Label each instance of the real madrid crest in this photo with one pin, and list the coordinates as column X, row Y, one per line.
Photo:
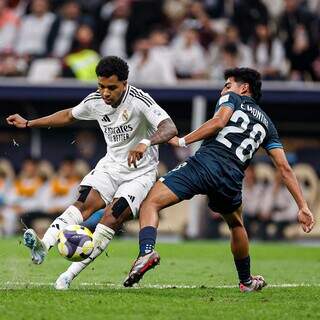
column 125, row 115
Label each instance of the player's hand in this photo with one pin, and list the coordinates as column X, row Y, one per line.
column 17, row 121
column 305, row 218
column 174, row 141
column 136, row 154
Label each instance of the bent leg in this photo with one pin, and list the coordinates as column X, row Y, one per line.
column 239, row 237
column 240, row 251
column 75, row 214
column 159, row 197
column 239, row 245
column 114, row 216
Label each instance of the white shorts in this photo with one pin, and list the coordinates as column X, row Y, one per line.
column 110, row 187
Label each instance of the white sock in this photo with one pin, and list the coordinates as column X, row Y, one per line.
column 101, row 237
column 71, row 215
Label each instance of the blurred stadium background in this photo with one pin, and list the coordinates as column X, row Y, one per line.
column 177, row 51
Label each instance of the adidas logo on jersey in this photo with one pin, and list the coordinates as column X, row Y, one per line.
column 131, row 198
column 106, row 118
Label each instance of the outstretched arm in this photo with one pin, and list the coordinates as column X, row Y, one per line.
column 165, row 131
column 58, row 119
column 206, row 130
column 305, row 216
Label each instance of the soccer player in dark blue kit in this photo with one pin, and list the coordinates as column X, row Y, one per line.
column 231, row 138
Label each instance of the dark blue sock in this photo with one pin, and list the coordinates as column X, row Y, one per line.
column 147, row 240
column 243, row 268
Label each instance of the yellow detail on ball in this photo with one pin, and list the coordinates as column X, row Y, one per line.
column 75, row 243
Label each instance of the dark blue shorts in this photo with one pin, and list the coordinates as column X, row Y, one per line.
column 220, row 183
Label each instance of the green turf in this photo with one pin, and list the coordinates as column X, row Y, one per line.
column 26, row 292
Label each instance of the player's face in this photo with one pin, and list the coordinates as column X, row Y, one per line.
column 111, row 89
column 237, row 87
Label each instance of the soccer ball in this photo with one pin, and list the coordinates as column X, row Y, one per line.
column 75, row 243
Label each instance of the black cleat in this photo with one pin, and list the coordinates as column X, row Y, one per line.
column 140, row 267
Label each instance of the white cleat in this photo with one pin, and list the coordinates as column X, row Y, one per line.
column 38, row 249
column 63, row 282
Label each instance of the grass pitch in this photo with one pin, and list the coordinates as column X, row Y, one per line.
column 196, row 280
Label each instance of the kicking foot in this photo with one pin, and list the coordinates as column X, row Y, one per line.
column 63, row 282
column 140, row 267
column 38, row 249
column 257, row 283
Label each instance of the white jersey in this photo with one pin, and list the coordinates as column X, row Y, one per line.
column 137, row 117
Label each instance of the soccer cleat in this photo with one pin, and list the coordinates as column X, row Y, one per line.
column 63, row 282
column 257, row 283
column 38, row 249
column 140, row 267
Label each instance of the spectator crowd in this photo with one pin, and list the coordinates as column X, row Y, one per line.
column 269, row 210
column 164, row 41
column 39, row 192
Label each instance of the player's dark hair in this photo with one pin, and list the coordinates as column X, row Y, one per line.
column 112, row 65
column 247, row 75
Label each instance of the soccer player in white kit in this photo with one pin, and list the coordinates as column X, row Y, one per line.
column 133, row 124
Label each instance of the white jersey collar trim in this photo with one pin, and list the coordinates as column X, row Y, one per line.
column 125, row 94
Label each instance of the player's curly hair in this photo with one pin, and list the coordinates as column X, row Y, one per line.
column 112, row 65
column 247, row 75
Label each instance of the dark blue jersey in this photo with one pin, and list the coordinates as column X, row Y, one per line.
column 248, row 128
column 217, row 168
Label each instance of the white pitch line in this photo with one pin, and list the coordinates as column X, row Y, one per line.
column 13, row 284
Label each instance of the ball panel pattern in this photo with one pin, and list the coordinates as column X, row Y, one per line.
column 75, row 243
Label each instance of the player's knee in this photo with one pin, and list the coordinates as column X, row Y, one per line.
column 83, row 193
column 84, row 203
column 154, row 200
column 235, row 223
column 119, row 207
column 148, row 204
column 110, row 221
column 84, row 209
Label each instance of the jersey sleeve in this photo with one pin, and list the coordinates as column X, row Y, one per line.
column 83, row 111
column 272, row 140
column 153, row 112
column 230, row 100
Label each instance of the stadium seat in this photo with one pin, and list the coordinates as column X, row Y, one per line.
column 309, row 181
column 6, row 167
column 265, row 173
column 46, row 170
column 173, row 221
column 81, row 168
column 310, row 184
column 44, row 69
